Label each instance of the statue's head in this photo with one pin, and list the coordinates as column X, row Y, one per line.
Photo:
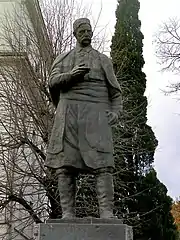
column 83, row 31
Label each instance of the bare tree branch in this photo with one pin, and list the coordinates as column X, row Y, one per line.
column 167, row 45
column 32, row 41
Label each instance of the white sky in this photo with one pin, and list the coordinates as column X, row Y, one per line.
column 162, row 110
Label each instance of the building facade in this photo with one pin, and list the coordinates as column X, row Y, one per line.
column 23, row 44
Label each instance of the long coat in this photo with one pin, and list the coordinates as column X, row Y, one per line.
column 62, row 65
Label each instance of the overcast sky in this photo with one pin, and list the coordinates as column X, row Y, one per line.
column 163, row 111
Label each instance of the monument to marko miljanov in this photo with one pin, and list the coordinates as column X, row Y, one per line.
column 88, row 102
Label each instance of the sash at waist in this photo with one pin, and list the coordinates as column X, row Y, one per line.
column 93, row 91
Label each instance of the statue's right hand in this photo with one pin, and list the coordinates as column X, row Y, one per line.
column 79, row 70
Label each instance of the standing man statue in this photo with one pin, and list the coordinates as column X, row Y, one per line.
column 87, row 97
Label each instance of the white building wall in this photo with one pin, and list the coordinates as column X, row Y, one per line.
column 14, row 220
column 7, row 15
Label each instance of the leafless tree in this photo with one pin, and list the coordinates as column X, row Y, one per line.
column 167, row 45
column 33, row 38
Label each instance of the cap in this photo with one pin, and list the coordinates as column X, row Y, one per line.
column 80, row 21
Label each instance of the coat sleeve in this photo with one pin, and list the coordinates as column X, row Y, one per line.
column 57, row 77
column 58, row 81
column 115, row 93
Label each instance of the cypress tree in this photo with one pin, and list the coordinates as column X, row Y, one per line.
column 156, row 221
column 135, row 142
column 139, row 195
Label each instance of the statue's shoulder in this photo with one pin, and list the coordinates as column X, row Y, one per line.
column 62, row 56
column 104, row 57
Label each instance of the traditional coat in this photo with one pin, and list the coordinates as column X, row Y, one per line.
column 94, row 133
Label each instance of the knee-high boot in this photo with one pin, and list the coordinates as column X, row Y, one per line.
column 105, row 194
column 67, row 191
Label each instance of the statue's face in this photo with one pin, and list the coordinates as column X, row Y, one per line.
column 84, row 34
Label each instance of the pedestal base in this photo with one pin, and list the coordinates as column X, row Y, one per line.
column 84, row 229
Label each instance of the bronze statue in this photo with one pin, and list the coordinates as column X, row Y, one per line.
column 87, row 97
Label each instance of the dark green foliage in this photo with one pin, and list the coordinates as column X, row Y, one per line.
column 86, row 201
column 135, row 142
column 154, row 208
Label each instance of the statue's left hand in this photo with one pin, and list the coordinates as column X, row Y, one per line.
column 112, row 117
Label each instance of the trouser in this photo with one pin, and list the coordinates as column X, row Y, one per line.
column 67, row 191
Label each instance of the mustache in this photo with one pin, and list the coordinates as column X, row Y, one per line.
column 86, row 36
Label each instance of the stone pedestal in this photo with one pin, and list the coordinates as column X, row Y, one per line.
column 84, row 229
